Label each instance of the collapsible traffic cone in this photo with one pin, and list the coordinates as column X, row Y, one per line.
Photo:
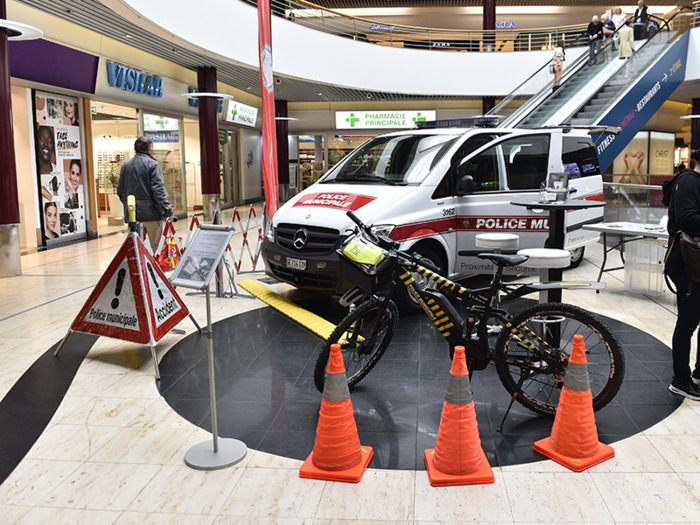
column 337, row 453
column 458, row 458
column 574, row 440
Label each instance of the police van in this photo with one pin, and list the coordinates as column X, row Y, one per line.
column 433, row 190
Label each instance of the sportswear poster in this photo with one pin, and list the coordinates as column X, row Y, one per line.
column 59, row 167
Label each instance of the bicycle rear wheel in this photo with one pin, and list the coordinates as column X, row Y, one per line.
column 536, row 375
column 361, row 350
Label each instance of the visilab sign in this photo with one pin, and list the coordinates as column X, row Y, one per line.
column 381, row 119
column 129, row 79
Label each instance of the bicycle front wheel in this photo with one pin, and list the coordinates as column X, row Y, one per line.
column 534, row 370
column 363, row 336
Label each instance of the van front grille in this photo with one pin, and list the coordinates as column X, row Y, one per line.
column 309, row 239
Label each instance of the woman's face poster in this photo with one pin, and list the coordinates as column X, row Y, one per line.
column 59, row 165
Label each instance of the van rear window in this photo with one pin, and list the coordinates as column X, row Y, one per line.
column 579, row 158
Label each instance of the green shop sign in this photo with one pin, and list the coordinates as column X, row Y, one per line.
column 381, row 119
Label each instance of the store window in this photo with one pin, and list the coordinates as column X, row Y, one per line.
column 167, row 135
column 114, row 131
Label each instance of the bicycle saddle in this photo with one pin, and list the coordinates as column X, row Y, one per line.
column 502, row 259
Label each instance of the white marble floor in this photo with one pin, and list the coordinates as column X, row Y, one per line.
column 113, row 452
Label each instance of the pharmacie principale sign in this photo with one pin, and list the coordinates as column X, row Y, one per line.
column 381, row 119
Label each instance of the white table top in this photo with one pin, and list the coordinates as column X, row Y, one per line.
column 630, row 228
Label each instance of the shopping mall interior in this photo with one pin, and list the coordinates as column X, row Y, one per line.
column 214, row 415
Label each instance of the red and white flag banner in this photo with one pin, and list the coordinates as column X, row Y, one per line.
column 269, row 140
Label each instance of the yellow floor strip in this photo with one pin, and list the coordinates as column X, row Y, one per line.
column 314, row 323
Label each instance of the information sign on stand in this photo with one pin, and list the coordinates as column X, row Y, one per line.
column 195, row 270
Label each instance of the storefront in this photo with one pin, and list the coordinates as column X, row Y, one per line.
column 73, row 133
column 236, row 122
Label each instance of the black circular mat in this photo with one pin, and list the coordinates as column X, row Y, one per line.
column 266, row 397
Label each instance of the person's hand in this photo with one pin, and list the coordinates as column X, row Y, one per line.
column 628, row 164
column 638, row 163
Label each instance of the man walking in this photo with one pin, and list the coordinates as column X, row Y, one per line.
column 684, row 214
column 142, row 177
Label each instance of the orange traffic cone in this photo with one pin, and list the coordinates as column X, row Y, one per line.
column 574, row 440
column 458, row 458
column 337, row 453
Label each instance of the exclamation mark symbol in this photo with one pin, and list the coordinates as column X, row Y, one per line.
column 153, row 276
column 118, row 289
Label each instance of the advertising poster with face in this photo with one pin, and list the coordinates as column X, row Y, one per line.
column 59, row 166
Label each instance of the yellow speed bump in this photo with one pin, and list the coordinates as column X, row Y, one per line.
column 314, row 323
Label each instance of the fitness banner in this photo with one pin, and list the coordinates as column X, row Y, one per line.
column 269, row 138
column 59, row 167
column 642, row 101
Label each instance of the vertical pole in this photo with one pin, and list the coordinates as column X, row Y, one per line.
column 209, row 141
column 212, row 386
column 489, row 45
column 695, row 125
column 9, row 201
column 282, row 133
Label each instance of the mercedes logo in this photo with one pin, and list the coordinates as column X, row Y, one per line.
column 300, row 238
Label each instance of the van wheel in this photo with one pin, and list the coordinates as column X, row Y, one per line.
column 576, row 256
column 403, row 299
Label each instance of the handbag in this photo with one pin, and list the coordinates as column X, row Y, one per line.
column 169, row 255
column 551, row 68
column 690, row 251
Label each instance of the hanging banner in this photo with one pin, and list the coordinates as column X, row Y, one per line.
column 59, row 167
column 269, row 142
column 642, row 101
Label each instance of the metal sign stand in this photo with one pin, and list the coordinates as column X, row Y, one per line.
column 195, row 270
column 219, row 453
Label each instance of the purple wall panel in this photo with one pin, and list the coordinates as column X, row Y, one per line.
column 53, row 64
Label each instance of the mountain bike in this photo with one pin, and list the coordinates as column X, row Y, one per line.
column 529, row 349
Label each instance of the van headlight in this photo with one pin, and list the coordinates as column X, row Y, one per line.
column 383, row 229
column 270, row 232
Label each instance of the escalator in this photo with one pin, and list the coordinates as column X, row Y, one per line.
column 603, row 90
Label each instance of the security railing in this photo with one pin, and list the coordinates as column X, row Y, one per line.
column 396, row 35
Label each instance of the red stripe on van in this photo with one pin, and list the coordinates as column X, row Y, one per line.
column 344, row 201
column 477, row 224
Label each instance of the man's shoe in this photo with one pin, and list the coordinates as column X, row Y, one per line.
column 696, row 376
column 688, row 389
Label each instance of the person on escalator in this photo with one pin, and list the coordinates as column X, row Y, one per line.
column 641, row 19
column 627, row 49
column 595, row 39
column 608, row 32
column 558, row 62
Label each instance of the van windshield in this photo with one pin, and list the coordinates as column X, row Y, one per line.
column 395, row 160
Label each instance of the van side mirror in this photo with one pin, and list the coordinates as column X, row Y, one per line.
column 465, row 186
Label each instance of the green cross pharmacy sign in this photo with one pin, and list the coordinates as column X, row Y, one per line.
column 381, row 119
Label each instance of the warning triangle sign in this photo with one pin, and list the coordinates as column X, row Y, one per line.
column 133, row 300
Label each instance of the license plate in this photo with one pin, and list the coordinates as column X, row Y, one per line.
column 296, row 264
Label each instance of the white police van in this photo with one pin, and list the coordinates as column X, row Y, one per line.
column 434, row 189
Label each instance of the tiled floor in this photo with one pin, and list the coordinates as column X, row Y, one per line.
column 113, row 451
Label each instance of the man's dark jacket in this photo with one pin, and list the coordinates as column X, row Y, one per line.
column 595, row 28
column 143, row 178
column 683, row 214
